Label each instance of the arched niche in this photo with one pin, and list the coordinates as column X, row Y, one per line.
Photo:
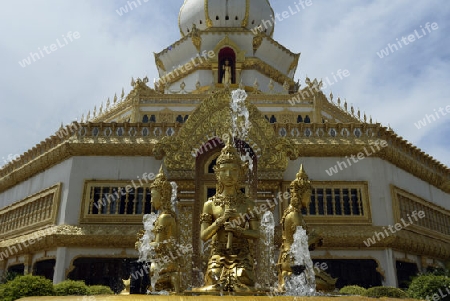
column 227, row 57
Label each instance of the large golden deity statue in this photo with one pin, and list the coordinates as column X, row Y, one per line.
column 165, row 230
column 300, row 190
column 229, row 220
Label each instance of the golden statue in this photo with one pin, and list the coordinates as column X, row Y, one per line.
column 300, row 190
column 228, row 219
column 166, row 233
column 226, row 78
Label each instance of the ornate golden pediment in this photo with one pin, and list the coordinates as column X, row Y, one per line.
column 213, row 119
column 227, row 42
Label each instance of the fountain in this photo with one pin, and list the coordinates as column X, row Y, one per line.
column 302, row 280
column 230, row 227
column 267, row 260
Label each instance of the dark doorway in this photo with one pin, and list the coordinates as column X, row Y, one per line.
column 45, row 268
column 18, row 269
column 109, row 272
column 405, row 270
column 362, row 272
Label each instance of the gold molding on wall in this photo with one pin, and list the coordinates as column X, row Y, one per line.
column 29, row 214
column 433, row 214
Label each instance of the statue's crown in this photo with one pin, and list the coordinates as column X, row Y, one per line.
column 161, row 182
column 301, row 180
column 229, row 154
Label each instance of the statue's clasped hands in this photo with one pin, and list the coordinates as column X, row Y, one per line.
column 228, row 215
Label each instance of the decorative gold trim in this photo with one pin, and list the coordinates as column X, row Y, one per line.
column 87, row 218
column 247, row 13
column 209, row 22
column 363, row 186
column 227, row 42
column 257, row 41
column 212, row 119
column 294, row 63
column 34, row 216
column 159, row 63
column 196, row 38
column 429, row 209
column 320, row 143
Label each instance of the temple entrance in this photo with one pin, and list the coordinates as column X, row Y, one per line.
column 227, row 63
column 405, row 270
column 18, row 269
column 45, row 268
column 362, row 272
column 110, row 272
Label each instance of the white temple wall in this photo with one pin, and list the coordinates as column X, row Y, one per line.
column 244, row 41
column 248, row 78
column 41, row 181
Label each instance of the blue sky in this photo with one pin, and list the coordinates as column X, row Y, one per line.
column 397, row 90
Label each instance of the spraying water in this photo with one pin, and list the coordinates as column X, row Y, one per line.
column 240, row 116
column 240, row 122
column 305, row 283
column 146, row 251
column 267, row 265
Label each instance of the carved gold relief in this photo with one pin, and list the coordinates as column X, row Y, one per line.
column 38, row 210
column 294, row 63
column 159, row 63
column 196, row 38
column 257, row 41
column 247, row 13
column 214, row 113
column 209, row 22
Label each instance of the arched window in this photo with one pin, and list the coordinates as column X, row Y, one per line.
column 227, row 57
column 307, row 120
column 273, row 119
column 299, row 119
column 179, row 119
column 145, row 119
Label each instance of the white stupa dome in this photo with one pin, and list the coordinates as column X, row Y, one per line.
column 225, row 14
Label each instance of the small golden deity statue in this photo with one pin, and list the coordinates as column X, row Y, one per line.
column 226, row 79
column 300, row 190
column 228, row 219
column 166, row 233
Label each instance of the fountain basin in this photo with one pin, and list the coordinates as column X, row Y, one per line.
column 204, row 298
